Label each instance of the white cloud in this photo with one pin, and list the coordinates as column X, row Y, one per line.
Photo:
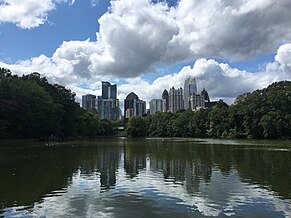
column 27, row 14
column 221, row 80
column 283, row 57
column 136, row 35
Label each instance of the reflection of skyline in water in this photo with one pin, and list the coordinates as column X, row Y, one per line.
column 168, row 177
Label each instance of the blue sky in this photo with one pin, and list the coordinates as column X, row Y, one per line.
column 146, row 46
column 67, row 22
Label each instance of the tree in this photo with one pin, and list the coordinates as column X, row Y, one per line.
column 136, row 127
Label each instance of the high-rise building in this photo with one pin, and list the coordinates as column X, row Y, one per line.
column 133, row 106
column 88, row 101
column 175, row 99
column 205, row 94
column 130, row 105
column 108, row 104
column 109, row 91
column 165, row 96
column 141, row 108
column 190, row 88
column 196, row 102
column 157, row 105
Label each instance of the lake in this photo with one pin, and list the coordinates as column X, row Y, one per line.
column 152, row 177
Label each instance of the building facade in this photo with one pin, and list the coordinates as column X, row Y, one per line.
column 88, row 101
column 175, row 99
column 133, row 106
column 157, row 105
column 108, row 104
column 190, row 88
column 197, row 102
column 165, row 96
column 109, row 91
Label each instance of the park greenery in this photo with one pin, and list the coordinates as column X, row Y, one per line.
column 263, row 114
column 31, row 107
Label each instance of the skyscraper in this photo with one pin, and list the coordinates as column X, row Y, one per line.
column 165, row 96
column 175, row 99
column 196, row 102
column 157, row 105
column 141, row 108
column 88, row 101
column 205, row 94
column 109, row 91
column 108, row 104
column 130, row 105
column 190, row 88
column 133, row 106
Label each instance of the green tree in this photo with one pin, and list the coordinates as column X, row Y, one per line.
column 90, row 124
column 136, row 127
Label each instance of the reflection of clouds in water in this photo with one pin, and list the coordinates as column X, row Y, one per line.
column 149, row 190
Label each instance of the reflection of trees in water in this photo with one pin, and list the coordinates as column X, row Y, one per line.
column 190, row 163
column 268, row 168
column 28, row 174
column 180, row 163
column 134, row 159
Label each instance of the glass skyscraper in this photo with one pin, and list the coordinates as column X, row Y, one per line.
column 108, row 104
column 109, row 91
column 190, row 88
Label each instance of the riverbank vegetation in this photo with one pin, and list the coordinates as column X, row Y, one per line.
column 31, row 107
column 262, row 114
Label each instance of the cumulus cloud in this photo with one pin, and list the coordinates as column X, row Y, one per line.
column 137, row 35
column 232, row 29
column 27, row 14
column 219, row 79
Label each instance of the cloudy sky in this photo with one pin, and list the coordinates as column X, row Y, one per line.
column 144, row 46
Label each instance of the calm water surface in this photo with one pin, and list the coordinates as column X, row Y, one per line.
column 153, row 177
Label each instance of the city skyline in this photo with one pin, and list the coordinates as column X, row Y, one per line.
column 229, row 47
column 170, row 101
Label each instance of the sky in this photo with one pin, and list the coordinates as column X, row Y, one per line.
column 144, row 46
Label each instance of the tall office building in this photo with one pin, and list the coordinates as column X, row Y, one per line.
column 175, row 99
column 165, row 96
column 205, row 94
column 88, row 101
column 109, row 91
column 133, row 106
column 157, row 105
column 130, row 105
column 108, row 104
column 196, row 102
column 141, row 108
column 190, row 88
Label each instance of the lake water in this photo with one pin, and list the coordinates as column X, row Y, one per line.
column 153, row 177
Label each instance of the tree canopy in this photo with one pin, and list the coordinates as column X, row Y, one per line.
column 31, row 107
column 262, row 114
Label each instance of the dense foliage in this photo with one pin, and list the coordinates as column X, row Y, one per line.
column 30, row 107
column 264, row 113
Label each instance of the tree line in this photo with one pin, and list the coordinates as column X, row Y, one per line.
column 31, row 107
column 262, row 114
